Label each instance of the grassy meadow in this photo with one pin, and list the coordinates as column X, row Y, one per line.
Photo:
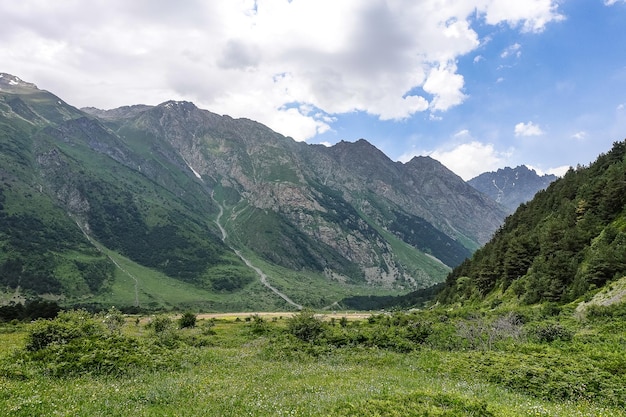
column 527, row 362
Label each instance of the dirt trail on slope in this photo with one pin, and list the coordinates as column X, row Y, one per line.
column 261, row 274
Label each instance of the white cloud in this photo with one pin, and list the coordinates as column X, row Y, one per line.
column 558, row 171
column 464, row 133
column 446, row 86
column 471, row 159
column 468, row 159
column 512, row 50
column 532, row 15
column 254, row 59
column 528, row 129
column 612, row 2
column 621, row 106
column 579, row 135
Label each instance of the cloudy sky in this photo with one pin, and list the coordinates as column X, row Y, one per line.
column 476, row 84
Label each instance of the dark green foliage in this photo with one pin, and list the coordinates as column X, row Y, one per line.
column 605, row 259
column 306, row 326
column 417, row 298
column 30, row 310
column 568, row 240
column 399, row 332
column 25, row 232
column 161, row 324
column 549, row 332
column 121, row 225
column 34, row 273
column 230, row 278
column 77, row 342
column 96, row 273
column 32, row 243
column 617, row 311
column 187, row 320
column 66, row 327
column 551, row 376
column 339, row 211
column 425, row 237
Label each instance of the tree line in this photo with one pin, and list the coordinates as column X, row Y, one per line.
column 569, row 240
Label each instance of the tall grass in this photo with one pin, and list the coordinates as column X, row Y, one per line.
column 257, row 367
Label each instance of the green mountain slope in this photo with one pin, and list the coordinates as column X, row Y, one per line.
column 61, row 170
column 565, row 243
column 83, row 191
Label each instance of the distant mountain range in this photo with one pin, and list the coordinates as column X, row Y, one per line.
column 174, row 206
column 511, row 186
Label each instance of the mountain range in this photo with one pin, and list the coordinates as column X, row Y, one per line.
column 511, row 186
column 175, row 206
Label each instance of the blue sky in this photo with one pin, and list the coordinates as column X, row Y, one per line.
column 476, row 84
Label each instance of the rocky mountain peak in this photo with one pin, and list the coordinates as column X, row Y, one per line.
column 178, row 105
column 124, row 112
column 11, row 83
column 511, row 186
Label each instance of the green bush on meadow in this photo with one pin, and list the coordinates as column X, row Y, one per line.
column 78, row 342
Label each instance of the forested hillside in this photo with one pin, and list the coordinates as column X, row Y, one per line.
column 569, row 240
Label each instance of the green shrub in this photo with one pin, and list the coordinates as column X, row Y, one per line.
column 187, row 320
column 549, row 332
column 161, row 324
column 444, row 336
column 113, row 319
column 258, row 326
column 77, row 342
column 550, row 309
column 305, row 326
column 595, row 311
column 66, row 327
column 418, row 331
column 165, row 332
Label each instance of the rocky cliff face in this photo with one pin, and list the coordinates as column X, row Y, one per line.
column 145, row 181
column 511, row 186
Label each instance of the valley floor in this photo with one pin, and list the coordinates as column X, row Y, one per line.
column 253, row 366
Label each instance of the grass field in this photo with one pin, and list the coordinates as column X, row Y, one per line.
column 242, row 365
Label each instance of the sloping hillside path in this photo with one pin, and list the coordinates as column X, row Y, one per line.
column 120, row 267
column 260, row 273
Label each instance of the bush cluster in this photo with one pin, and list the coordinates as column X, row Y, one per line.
column 522, row 350
column 78, row 342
